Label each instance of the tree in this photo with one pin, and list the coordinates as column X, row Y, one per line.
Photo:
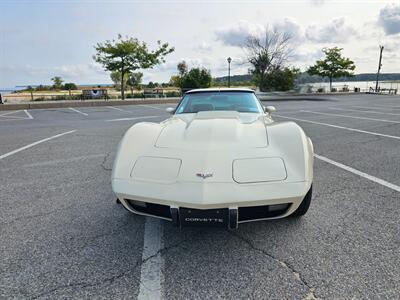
column 57, row 82
column 70, row 86
column 196, row 78
column 129, row 54
column 151, row 85
column 134, row 80
column 116, row 78
column 193, row 78
column 334, row 65
column 267, row 54
column 182, row 68
column 280, row 79
column 175, row 80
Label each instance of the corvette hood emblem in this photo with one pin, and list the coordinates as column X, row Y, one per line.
column 204, row 175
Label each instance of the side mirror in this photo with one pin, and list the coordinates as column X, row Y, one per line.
column 269, row 109
column 170, row 110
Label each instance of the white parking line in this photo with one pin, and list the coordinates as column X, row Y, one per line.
column 28, row 114
column 386, row 106
column 134, row 118
column 79, row 112
column 151, row 274
column 353, row 117
column 341, row 127
column 119, row 109
column 10, row 116
column 9, row 113
column 375, row 107
column 365, row 111
column 359, row 173
column 150, row 106
column 34, row 144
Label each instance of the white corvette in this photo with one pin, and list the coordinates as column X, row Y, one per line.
column 219, row 160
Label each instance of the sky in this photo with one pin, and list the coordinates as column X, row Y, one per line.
column 40, row 39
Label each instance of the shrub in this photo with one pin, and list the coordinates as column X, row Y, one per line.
column 173, row 94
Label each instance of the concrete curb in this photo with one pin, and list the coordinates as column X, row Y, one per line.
column 19, row 106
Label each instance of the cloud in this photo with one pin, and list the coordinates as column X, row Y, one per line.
column 236, row 35
column 389, row 19
column 337, row 31
column 203, row 47
column 291, row 27
column 318, row 2
column 67, row 72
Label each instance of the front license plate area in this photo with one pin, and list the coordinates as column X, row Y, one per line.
column 203, row 217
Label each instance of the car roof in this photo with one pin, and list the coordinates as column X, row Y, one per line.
column 220, row 90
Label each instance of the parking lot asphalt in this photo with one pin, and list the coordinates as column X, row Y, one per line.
column 63, row 236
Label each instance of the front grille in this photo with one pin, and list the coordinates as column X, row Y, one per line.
column 248, row 213
column 158, row 210
column 262, row 212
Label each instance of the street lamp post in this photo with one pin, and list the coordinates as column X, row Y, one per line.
column 229, row 71
column 379, row 69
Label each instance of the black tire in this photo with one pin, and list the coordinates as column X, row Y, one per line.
column 305, row 204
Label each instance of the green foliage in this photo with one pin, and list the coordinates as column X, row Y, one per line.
column 42, row 88
column 267, row 54
column 182, row 68
column 172, row 94
column 334, row 65
column 193, row 78
column 126, row 55
column 175, row 80
column 57, row 82
column 196, row 78
column 135, row 80
column 59, row 97
column 151, row 85
column 135, row 95
column 70, row 86
column 280, row 80
column 116, row 78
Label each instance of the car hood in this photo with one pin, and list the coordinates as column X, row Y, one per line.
column 212, row 130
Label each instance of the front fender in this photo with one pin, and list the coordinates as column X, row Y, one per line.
column 137, row 140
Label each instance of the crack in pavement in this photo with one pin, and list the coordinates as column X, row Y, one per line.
column 43, row 214
column 311, row 290
column 108, row 280
column 103, row 163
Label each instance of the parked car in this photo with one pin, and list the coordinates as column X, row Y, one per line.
column 219, row 160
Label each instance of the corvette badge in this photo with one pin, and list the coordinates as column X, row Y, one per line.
column 204, row 175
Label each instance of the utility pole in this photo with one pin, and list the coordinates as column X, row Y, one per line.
column 379, row 68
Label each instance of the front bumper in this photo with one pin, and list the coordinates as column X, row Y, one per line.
column 243, row 202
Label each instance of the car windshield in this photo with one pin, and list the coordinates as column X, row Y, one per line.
column 211, row 101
